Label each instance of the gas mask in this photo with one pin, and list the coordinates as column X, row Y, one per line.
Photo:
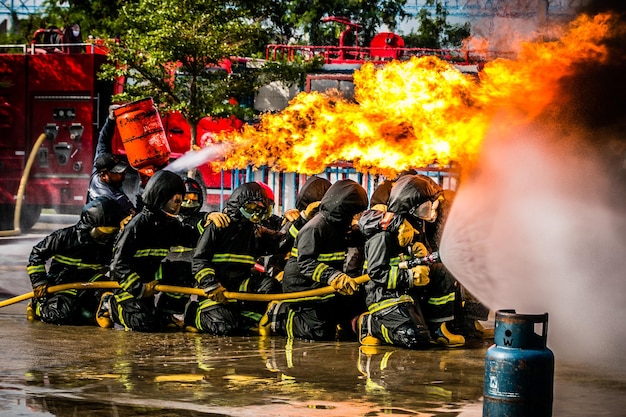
column 190, row 204
column 426, row 211
column 254, row 211
column 76, row 33
column 103, row 234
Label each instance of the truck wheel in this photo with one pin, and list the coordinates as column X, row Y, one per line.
column 29, row 216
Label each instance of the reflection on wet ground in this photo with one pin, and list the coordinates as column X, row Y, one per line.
column 106, row 372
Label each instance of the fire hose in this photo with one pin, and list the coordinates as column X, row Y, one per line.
column 240, row 296
column 22, row 189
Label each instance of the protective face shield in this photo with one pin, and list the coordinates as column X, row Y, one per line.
column 76, row 33
column 426, row 211
column 406, row 232
column 172, row 207
column 254, row 211
column 190, row 204
column 103, row 234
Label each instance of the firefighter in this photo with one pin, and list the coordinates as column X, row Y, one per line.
column 109, row 170
column 176, row 267
column 393, row 315
column 317, row 260
column 381, row 193
column 71, row 35
column 138, row 253
column 223, row 261
column 79, row 253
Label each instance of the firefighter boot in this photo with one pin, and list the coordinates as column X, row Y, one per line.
column 443, row 336
column 32, row 310
column 103, row 314
column 475, row 330
column 363, row 330
column 265, row 324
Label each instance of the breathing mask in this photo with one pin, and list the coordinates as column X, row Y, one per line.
column 426, row 211
column 103, row 234
column 255, row 211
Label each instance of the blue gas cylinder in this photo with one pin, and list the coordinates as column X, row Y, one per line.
column 519, row 368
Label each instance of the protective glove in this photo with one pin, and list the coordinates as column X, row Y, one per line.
column 292, row 215
column 380, row 207
column 125, row 221
column 112, row 108
column 40, row 291
column 149, row 290
column 406, row 232
column 344, row 285
column 419, row 250
column 221, row 220
column 217, row 295
column 311, row 210
column 420, row 275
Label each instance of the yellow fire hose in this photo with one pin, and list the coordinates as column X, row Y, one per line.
column 241, row 296
column 22, row 189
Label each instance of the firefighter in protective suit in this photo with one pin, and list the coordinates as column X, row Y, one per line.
column 316, row 261
column 79, row 253
column 223, row 261
column 393, row 315
column 138, row 253
column 176, row 267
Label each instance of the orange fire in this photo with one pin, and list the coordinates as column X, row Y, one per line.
column 417, row 112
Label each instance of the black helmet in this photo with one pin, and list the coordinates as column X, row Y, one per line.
column 193, row 198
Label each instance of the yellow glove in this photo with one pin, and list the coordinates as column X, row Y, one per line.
column 344, row 285
column 420, row 275
column 292, row 215
column 419, row 250
column 149, row 290
column 221, row 220
column 217, row 295
column 406, row 232
column 40, row 291
column 125, row 221
column 380, row 207
column 311, row 210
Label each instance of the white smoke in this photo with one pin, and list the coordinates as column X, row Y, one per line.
column 535, row 230
column 193, row 159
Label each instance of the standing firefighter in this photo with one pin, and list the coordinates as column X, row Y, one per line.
column 138, row 253
column 79, row 253
column 317, row 260
column 224, row 259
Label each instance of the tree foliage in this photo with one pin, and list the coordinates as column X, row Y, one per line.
column 434, row 31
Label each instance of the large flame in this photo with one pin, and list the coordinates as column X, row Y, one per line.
column 417, row 112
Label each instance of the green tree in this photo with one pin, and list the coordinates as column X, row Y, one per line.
column 434, row 30
column 174, row 50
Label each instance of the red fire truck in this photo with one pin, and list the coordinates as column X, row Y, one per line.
column 46, row 91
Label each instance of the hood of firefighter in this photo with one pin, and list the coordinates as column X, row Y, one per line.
column 100, row 219
column 343, row 200
column 313, row 190
column 161, row 187
column 249, row 201
column 411, row 191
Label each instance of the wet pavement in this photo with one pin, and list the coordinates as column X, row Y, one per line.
column 86, row 371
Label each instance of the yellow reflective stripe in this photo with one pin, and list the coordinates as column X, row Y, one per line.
column 180, row 249
column 392, row 280
column 158, row 275
column 203, row 273
column 439, row 301
column 130, row 280
column 385, row 333
column 252, row 315
column 293, row 231
column 395, row 261
column 206, row 303
column 156, row 252
column 120, row 316
column 289, row 325
column 294, row 252
column 329, row 257
column 385, row 360
column 68, row 292
column 75, row 262
column 390, row 302
column 95, row 277
column 244, row 285
column 317, row 273
column 35, row 269
column 233, row 258
column 123, row 296
column 200, row 227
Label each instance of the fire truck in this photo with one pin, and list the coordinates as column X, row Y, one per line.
column 45, row 91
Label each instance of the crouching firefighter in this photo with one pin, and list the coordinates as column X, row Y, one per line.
column 79, row 253
column 137, row 256
column 393, row 315
column 224, row 260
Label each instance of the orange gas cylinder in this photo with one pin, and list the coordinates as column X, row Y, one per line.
column 140, row 128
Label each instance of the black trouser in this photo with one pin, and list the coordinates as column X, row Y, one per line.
column 399, row 325
column 138, row 314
